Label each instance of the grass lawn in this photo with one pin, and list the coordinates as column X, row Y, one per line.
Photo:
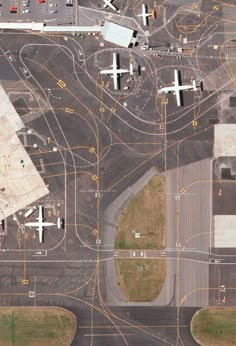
column 215, row 326
column 140, row 279
column 35, row 326
column 146, row 215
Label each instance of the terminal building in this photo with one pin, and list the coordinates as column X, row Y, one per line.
column 111, row 32
column 20, row 182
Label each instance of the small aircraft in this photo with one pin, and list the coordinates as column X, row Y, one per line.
column 116, row 72
column 40, row 224
column 177, row 88
column 108, row 3
column 145, row 15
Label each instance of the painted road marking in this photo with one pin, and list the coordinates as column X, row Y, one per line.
column 61, row 84
column 69, row 110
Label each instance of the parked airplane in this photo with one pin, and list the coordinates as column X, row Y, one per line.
column 116, row 72
column 145, row 15
column 177, row 88
column 108, row 3
column 40, row 224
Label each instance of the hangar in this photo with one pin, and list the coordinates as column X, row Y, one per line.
column 118, row 34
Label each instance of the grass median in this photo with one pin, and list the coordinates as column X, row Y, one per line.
column 215, row 326
column 35, row 326
column 145, row 214
column 142, row 279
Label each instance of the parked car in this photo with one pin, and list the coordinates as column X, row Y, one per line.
column 13, row 9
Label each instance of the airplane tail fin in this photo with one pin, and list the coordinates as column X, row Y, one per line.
column 131, row 68
column 194, row 85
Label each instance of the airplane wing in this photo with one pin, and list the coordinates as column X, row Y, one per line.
column 176, row 79
column 114, row 69
column 40, row 218
column 131, row 68
column 144, row 20
column 114, row 64
column 115, row 80
column 112, row 6
column 144, row 14
column 194, row 85
column 106, row 72
column 177, row 88
column 40, row 230
column 177, row 94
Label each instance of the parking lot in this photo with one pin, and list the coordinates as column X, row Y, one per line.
column 54, row 11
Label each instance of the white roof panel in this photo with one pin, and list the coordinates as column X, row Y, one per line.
column 117, row 34
column 225, row 231
column 224, row 142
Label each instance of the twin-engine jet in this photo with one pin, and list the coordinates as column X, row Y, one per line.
column 116, row 72
column 145, row 15
column 108, row 3
column 40, row 224
column 177, row 88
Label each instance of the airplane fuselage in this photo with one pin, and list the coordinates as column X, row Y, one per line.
column 108, row 3
column 40, row 224
column 177, row 88
column 115, row 72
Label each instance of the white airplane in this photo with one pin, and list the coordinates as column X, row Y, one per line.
column 116, row 72
column 40, row 224
column 177, row 88
column 145, row 14
column 108, row 3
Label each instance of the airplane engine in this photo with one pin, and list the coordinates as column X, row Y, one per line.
column 153, row 14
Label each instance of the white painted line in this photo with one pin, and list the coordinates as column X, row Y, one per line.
column 42, row 253
column 108, row 334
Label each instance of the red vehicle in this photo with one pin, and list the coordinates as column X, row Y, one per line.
column 13, row 9
column 40, row 1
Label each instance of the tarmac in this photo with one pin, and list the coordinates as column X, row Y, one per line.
column 93, row 147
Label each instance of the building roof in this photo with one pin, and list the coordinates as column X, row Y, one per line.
column 20, row 182
column 22, row 26
column 224, row 231
column 224, row 140
column 47, row 28
column 67, row 28
column 117, row 34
